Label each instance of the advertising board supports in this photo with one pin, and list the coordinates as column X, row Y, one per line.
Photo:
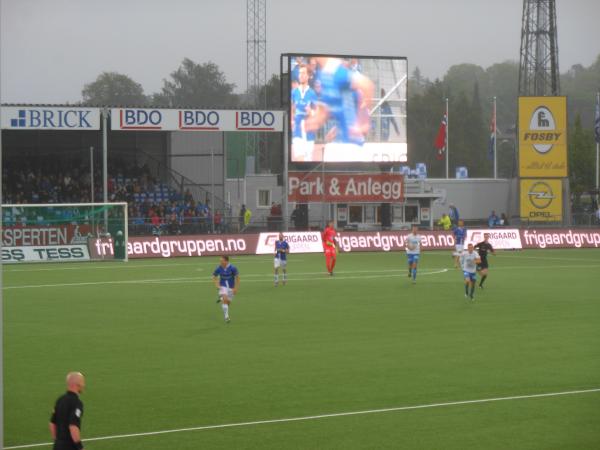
column 543, row 137
column 145, row 119
column 305, row 187
column 541, row 199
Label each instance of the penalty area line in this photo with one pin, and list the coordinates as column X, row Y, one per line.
column 321, row 416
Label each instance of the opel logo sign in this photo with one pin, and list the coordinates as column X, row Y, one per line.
column 541, row 195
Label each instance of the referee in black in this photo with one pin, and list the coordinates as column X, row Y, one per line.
column 483, row 248
column 65, row 423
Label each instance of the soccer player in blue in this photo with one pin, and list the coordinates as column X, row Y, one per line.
column 345, row 99
column 227, row 280
column 460, row 233
column 282, row 248
column 413, row 252
column 304, row 101
column 469, row 261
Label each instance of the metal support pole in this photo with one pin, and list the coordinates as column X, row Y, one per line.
column 1, row 310
column 92, row 174
column 597, row 149
column 285, row 208
column 325, row 215
column 105, row 165
column 495, row 142
column 212, row 189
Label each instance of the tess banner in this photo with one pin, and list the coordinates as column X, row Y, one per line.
column 304, row 187
column 543, row 137
column 541, row 200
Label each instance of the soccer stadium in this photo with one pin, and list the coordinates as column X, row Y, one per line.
column 334, row 252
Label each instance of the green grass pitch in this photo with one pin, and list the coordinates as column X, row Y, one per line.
column 158, row 355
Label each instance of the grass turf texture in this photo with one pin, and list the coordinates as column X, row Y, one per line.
column 158, row 356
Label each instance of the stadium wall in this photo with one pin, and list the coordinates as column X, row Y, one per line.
column 476, row 198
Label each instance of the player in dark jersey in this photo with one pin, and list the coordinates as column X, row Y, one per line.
column 483, row 248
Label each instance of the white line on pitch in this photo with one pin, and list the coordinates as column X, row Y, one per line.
column 197, row 280
column 322, row 416
column 118, row 265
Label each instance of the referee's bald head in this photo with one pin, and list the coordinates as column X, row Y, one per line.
column 75, row 382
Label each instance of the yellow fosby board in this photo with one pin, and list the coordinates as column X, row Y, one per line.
column 543, row 136
column 541, row 200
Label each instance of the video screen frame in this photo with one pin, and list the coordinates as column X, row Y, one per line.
column 382, row 118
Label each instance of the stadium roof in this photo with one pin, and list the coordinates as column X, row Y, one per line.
column 81, row 105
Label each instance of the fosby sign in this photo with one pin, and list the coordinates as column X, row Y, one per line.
column 50, row 118
column 543, row 136
column 136, row 119
column 306, row 187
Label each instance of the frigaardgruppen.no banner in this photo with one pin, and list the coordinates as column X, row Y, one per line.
column 356, row 241
column 304, row 187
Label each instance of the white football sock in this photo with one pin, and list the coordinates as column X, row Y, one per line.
column 225, row 310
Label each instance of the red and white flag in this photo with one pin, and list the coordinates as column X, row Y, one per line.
column 440, row 140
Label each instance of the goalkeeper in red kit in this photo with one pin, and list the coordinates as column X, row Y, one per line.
column 329, row 247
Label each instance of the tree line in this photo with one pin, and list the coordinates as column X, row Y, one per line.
column 470, row 89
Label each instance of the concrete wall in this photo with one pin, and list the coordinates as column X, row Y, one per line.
column 189, row 154
column 476, row 198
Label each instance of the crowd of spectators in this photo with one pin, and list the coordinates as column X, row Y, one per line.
column 153, row 206
column 45, row 180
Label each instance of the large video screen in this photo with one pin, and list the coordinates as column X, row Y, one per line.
column 347, row 109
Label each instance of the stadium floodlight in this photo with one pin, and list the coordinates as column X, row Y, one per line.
column 64, row 232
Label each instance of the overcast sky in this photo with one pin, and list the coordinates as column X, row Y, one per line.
column 51, row 48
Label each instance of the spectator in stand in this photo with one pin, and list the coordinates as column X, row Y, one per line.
column 247, row 217
column 493, row 220
column 445, row 222
column 598, row 215
column 242, row 217
column 156, row 225
column 453, row 214
column 504, row 220
column 218, row 222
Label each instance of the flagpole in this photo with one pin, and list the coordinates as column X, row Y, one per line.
column 597, row 150
column 495, row 143
column 447, row 140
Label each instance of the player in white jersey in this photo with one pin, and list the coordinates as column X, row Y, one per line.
column 413, row 252
column 469, row 261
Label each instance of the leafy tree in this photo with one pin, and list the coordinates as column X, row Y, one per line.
column 581, row 159
column 196, row 85
column 112, row 88
column 503, row 81
column 580, row 85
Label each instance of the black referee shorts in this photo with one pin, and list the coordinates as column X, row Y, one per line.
column 63, row 445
